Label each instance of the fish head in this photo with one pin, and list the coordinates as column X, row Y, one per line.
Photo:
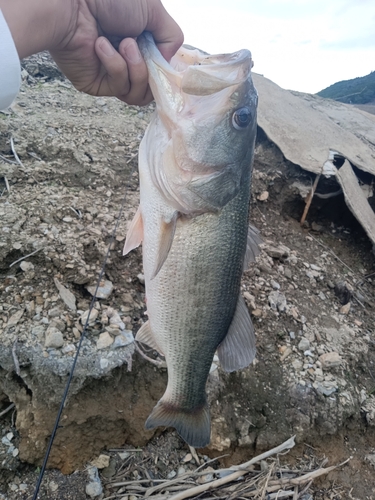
column 206, row 108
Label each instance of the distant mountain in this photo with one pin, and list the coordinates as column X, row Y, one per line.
column 360, row 90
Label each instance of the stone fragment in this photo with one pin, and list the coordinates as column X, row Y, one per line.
column 286, row 353
column 104, row 290
column 330, row 360
column 125, row 338
column 343, row 292
column 53, row 486
column 277, row 301
column 66, row 295
column 54, row 338
column 14, row 319
column 327, row 388
column 345, row 309
column 93, row 317
column 101, row 461
column 104, row 340
column 104, row 363
column 277, row 252
column 263, row 196
column 141, row 278
column 187, row 458
column 26, row 266
column 304, row 344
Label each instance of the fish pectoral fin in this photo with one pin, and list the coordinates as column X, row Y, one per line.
column 135, row 233
column 193, row 425
column 146, row 336
column 237, row 350
column 252, row 246
column 165, row 242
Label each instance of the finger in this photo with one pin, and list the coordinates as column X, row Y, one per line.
column 166, row 32
column 117, row 81
column 139, row 92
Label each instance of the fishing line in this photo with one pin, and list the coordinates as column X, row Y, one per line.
column 83, row 335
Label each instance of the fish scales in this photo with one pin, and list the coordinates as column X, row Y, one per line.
column 195, row 164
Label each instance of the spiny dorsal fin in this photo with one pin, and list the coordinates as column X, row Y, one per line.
column 252, row 246
column 135, row 233
column 146, row 336
column 237, row 350
column 165, row 242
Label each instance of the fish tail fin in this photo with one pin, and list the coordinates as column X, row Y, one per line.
column 194, row 426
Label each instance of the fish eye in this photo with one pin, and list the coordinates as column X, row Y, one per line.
column 241, row 118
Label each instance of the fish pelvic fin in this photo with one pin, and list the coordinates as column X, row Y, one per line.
column 193, row 425
column 252, row 246
column 135, row 233
column 237, row 350
column 167, row 232
column 146, row 336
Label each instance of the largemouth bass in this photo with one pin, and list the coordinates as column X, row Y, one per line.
column 195, row 164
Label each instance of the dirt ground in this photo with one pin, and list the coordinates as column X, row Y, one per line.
column 79, row 160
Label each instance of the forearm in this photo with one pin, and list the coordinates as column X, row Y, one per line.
column 36, row 25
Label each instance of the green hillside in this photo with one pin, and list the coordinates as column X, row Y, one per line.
column 360, row 90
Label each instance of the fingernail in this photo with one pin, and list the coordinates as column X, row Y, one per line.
column 106, row 48
column 132, row 53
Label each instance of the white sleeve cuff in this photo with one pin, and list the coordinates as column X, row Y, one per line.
column 10, row 68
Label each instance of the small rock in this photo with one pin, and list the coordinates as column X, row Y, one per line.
column 279, row 252
column 26, row 266
column 288, row 273
column 286, row 353
column 187, row 458
column 172, row 474
column 345, row 309
column 14, row 319
column 101, row 462
column 125, row 338
column 104, row 340
column 304, row 344
column 54, row 338
column 66, row 295
column 322, row 296
column 69, row 349
column 104, row 363
column 371, row 458
column 330, row 360
column 277, row 301
column 292, row 335
column 327, row 388
column 263, row 196
column 275, row 285
column 357, row 322
column 104, row 290
column 93, row 317
column 9, row 436
column 53, row 486
column 141, row 278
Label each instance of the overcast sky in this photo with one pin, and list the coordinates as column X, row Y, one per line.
column 303, row 45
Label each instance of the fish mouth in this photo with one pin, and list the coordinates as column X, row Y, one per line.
column 191, row 72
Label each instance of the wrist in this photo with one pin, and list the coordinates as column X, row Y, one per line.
column 37, row 25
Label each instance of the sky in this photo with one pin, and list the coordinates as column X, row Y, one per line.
column 303, row 45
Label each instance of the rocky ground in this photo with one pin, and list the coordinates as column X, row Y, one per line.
column 68, row 164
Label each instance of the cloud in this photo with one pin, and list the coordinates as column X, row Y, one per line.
column 352, row 44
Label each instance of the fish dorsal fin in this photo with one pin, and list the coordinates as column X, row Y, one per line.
column 166, row 235
column 135, row 233
column 238, row 348
column 146, row 336
column 252, row 246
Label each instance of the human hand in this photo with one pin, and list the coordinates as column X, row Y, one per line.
column 90, row 61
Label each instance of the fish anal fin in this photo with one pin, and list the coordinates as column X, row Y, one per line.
column 146, row 336
column 237, row 350
column 194, row 426
column 135, row 233
column 166, row 236
column 252, row 246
